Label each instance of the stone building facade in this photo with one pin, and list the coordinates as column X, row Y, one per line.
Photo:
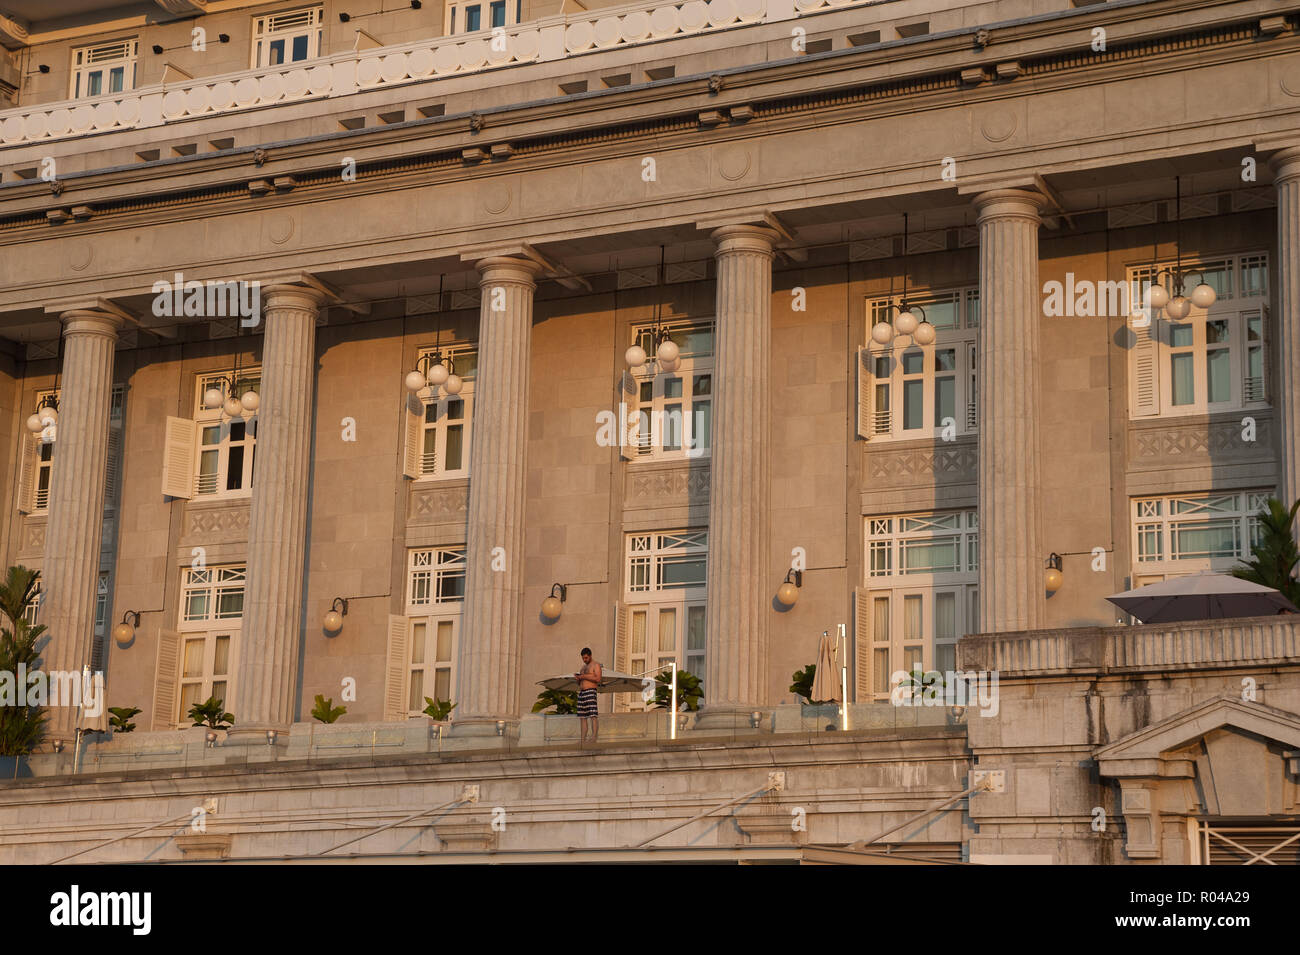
column 527, row 191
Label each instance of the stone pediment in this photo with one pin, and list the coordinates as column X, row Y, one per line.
column 1152, row 750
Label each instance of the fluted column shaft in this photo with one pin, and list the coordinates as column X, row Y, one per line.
column 76, row 506
column 1286, row 396
column 264, row 692
column 1011, row 565
column 488, row 657
column 739, row 588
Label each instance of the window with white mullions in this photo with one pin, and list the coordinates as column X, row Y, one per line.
column 666, row 591
column 287, row 37
column 225, row 445
column 211, row 616
column 1178, row 535
column 921, row 594
column 673, row 410
column 434, row 603
column 104, row 69
column 444, row 428
column 915, row 391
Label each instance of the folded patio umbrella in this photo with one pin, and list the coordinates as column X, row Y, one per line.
column 826, row 681
column 1203, row 596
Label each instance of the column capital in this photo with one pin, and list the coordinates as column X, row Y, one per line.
column 744, row 237
column 308, row 290
column 293, row 296
column 1009, row 203
column 515, row 269
column 1285, row 164
column 89, row 321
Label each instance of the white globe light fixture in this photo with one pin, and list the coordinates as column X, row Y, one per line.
column 924, row 334
column 906, row 322
column 34, row 424
column 1178, row 308
column 124, row 632
column 453, row 385
column 250, row 400
column 788, row 592
column 332, row 622
column 635, row 356
column 438, row 374
column 212, row 398
column 1155, row 296
column 668, row 351
column 1203, row 296
column 233, row 407
column 553, row 605
column 414, row 381
column 882, row 333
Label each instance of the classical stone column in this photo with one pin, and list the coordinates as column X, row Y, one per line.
column 488, row 657
column 740, row 585
column 1286, row 396
column 76, row 505
column 1011, row 588
column 264, row 691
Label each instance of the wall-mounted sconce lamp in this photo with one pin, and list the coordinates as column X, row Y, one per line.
column 755, row 718
column 501, row 727
column 788, row 592
column 223, row 37
column 157, row 49
column 211, row 738
column 333, row 619
column 553, row 605
column 344, row 17
column 1054, row 578
column 124, row 632
column 44, row 68
column 270, row 737
column 58, row 745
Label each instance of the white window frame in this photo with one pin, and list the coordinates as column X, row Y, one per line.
column 103, row 58
column 43, row 464
column 888, row 363
column 33, row 608
column 455, row 14
column 1154, row 520
column 892, row 591
column 207, row 630
column 1242, row 303
column 464, row 360
column 651, row 601
column 435, row 602
column 213, row 486
column 286, row 26
column 666, row 418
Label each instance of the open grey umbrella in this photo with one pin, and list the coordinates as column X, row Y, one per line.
column 1203, row 596
column 611, row 683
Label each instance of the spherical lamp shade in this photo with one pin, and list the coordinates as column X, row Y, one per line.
column 924, row 334
column 882, row 333
column 34, row 424
column 212, row 398
column 233, row 407
column 123, row 633
column 1203, row 296
column 551, row 608
column 667, row 350
column 454, row 384
column 333, row 621
column 634, row 356
column 250, row 400
column 1155, row 296
column 1178, row 308
column 49, row 417
column 414, row 381
column 905, row 323
column 787, row 593
column 1053, row 580
column 670, row 366
column 438, row 374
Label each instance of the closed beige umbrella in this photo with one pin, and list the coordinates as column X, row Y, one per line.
column 826, row 682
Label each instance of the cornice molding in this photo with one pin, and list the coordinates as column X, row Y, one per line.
column 13, row 33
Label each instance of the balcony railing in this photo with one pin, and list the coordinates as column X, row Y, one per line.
column 552, row 38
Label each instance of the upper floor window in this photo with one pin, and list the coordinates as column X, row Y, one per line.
column 438, row 422
column 105, row 68
column 38, row 459
column 671, row 412
column 435, row 597
column 436, row 577
column 1215, row 359
column 908, row 390
column 212, row 454
column 1177, row 535
column 34, row 605
column 290, row 36
column 470, row 16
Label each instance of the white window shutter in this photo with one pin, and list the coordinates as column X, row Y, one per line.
column 622, row 701
column 178, row 459
column 412, row 416
column 864, row 393
column 395, row 670
column 1145, row 369
column 629, row 409
column 862, row 645
column 167, row 675
column 27, row 478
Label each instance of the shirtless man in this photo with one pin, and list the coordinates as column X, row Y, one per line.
column 588, row 679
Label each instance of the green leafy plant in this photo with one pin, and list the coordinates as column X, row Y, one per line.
column 689, row 690
column 121, row 718
column 210, row 713
column 1274, row 558
column 564, row 701
column 21, row 727
column 803, row 684
column 325, row 710
column 439, row 710
column 919, row 682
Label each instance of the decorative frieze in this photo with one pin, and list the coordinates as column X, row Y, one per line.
column 441, row 503
column 1200, row 440
column 944, row 463
column 677, row 485
column 217, row 522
